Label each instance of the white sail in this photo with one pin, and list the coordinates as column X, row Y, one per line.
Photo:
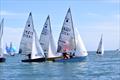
column 100, row 46
column 80, row 47
column 29, row 42
column 70, row 39
column 44, row 37
column 47, row 41
column 36, row 48
column 66, row 40
column 27, row 37
column 52, row 48
column 1, row 33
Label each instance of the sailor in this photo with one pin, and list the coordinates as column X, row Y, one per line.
column 71, row 55
column 29, row 56
column 65, row 55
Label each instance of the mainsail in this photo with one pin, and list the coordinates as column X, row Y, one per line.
column 47, row 41
column 100, row 46
column 66, row 40
column 29, row 42
column 1, row 33
column 70, row 40
column 27, row 37
column 44, row 37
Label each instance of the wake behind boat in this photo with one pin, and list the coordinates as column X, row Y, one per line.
column 70, row 43
column 29, row 45
column 2, row 58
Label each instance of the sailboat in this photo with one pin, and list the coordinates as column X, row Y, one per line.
column 100, row 49
column 10, row 49
column 71, row 42
column 47, row 42
column 29, row 45
column 2, row 58
column 118, row 50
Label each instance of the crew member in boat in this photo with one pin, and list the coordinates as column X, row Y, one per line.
column 66, row 55
column 72, row 55
column 29, row 56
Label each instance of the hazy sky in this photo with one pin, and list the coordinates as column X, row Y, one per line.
column 91, row 17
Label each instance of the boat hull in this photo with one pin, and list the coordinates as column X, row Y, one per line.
column 53, row 58
column 2, row 59
column 74, row 59
column 99, row 53
column 34, row 60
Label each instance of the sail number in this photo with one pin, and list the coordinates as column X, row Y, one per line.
column 28, row 34
column 45, row 31
column 66, row 31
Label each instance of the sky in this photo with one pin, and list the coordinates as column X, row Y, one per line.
column 91, row 17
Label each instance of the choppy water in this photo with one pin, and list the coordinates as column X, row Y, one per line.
column 106, row 67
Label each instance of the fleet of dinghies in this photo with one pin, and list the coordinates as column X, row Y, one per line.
column 70, row 47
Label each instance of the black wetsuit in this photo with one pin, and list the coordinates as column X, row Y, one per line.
column 29, row 56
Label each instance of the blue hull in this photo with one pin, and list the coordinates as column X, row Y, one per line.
column 74, row 59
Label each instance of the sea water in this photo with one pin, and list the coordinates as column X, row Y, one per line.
column 96, row 67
